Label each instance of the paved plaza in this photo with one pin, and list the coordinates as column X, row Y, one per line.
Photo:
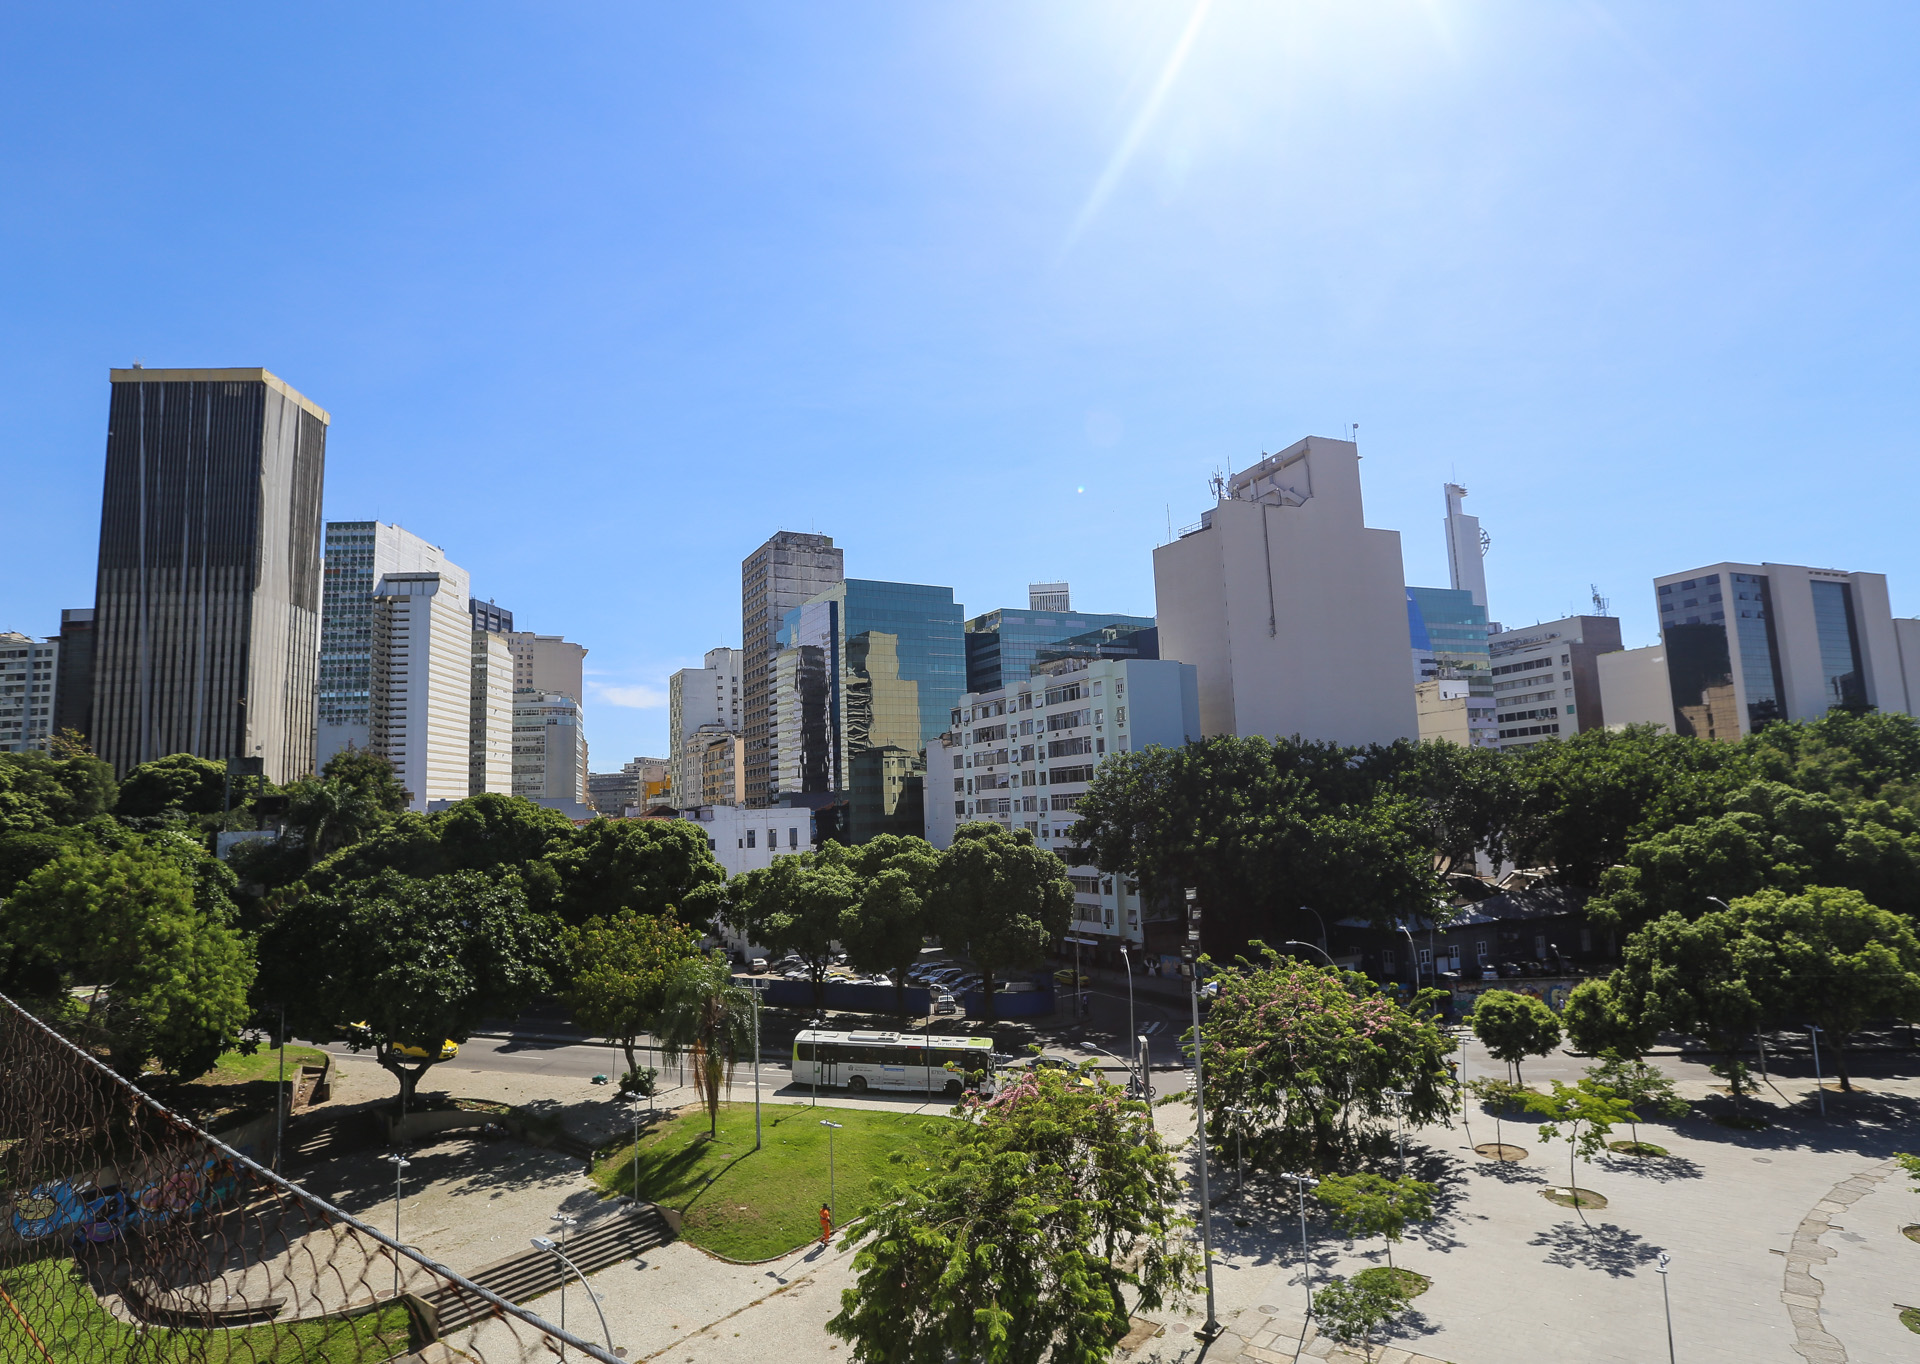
column 1785, row 1243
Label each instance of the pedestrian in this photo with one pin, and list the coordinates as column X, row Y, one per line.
column 826, row 1224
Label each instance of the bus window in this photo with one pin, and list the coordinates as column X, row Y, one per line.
column 803, row 1050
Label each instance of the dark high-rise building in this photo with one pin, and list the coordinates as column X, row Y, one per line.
column 488, row 618
column 207, row 630
column 774, row 579
column 73, row 684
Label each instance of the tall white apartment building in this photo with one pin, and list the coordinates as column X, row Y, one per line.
column 1750, row 643
column 358, row 555
column 28, row 675
column 490, row 716
column 1291, row 608
column 1021, row 757
column 547, row 663
column 549, row 748
column 1546, row 678
column 1466, row 547
column 422, row 682
column 700, row 700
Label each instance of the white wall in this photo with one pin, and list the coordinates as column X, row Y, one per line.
column 1633, row 688
column 427, row 687
column 1294, row 615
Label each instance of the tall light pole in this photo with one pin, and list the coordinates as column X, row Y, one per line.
column 1133, row 1030
column 400, row 1162
column 546, row 1244
column 1413, row 956
column 1295, row 942
column 1400, row 1124
column 756, row 1069
column 1301, row 1184
column 833, row 1202
column 1819, row 1086
column 1192, row 954
column 1324, row 944
column 633, row 1105
column 1667, row 1299
column 281, row 1104
column 562, row 1221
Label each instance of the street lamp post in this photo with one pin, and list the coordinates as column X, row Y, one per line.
column 1401, row 1125
column 633, row 1105
column 1301, row 1184
column 756, row 1068
column 400, row 1162
column 833, row 1202
column 281, row 1104
column 1192, row 954
column 1295, row 942
column 546, row 1244
column 1132, row 1029
column 1324, row 944
column 1819, row 1086
column 1413, row 956
column 1666, row 1299
column 561, row 1220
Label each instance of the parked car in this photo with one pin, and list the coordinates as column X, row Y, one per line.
column 758, row 966
column 361, row 1033
column 1065, row 977
column 943, row 1003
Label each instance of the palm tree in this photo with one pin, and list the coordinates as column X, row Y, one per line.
column 708, row 1019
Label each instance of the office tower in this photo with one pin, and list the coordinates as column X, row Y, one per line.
column 1906, row 634
column 790, row 568
column 1466, row 546
column 358, row 555
column 721, row 755
column 1021, row 756
column 1448, row 632
column 1292, row 609
column 207, row 632
column 868, row 674
column 1546, row 678
column 1747, row 644
column 421, row 679
column 73, row 683
column 549, row 749
column 489, row 618
column 699, row 700
column 28, row 673
column 490, row 714
column 1002, row 646
column 547, row 663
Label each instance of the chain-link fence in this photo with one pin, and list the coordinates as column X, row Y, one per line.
column 128, row 1234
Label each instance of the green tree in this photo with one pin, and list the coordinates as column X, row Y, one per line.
column 1693, row 976
column 1351, row 1310
column 1830, row 958
column 1002, row 898
column 1513, row 1027
column 1044, row 1212
column 178, row 784
column 1875, row 756
column 39, row 791
column 619, row 971
column 418, row 960
column 884, row 929
column 370, row 775
column 1373, row 1205
column 1311, row 1055
column 709, row 1020
column 165, row 978
column 1585, row 1113
column 795, row 905
column 649, row 865
column 1645, row 1087
column 1597, row 1021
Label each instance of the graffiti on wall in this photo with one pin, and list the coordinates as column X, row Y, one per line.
column 1552, row 991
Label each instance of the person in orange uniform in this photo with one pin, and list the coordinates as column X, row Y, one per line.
column 826, row 1224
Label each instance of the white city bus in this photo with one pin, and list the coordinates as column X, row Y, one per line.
column 860, row 1061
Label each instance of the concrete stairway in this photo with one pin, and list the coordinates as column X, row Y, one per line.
column 606, row 1241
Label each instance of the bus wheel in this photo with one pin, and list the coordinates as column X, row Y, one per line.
column 953, row 1088
column 858, row 1084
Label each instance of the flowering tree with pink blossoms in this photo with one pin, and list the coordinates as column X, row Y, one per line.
column 1309, row 1055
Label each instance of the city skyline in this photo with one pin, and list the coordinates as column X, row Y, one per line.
column 817, row 265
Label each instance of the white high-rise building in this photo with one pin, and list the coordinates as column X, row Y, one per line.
column 706, row 698
column 548, row 663
column 490, row 716
column 358, row 555
column 1465, row 546
column 422, row 682
column 28, row 672
column 1292, row 609
column 549, row 750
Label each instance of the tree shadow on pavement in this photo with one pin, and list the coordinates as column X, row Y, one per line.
column 1603, row 1246
column 1658, row 1169
column 1508, row 1171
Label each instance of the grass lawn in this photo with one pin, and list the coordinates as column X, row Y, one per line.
column 264, row 1065
column 72, row 1326
column 754, row 1205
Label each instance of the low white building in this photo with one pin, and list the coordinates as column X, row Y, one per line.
column 1021, row 757
column 1545, row 678
column 1634, row 689
column 28, row 668
column 743, row 839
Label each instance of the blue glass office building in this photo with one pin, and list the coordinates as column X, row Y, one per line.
column 867, row 675
column 1003, row 646
column 1447, row 631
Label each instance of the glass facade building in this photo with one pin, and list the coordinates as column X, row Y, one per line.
column 1002, row 646
column 866, row 676
column 1448, row 632
column 1723, row 657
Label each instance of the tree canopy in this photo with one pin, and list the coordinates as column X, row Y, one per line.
column 620, row 970
column 1513, row 1026
column 1001, row 898
column 178, row 784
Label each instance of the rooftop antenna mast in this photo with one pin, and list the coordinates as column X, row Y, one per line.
column 1601, row 604
column 1217, row 482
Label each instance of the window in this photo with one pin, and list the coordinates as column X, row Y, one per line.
column 959, row 783
column 793, row 837
column 1065, row 802
column 959, row 807
column 1480, row 950
column 1119, row 715
column 1096, row 688
column 750, row 838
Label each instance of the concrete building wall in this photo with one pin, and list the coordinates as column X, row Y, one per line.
column 791, row 568
column 1634, row 688
column 1290, row 607
column 1906, row 638
column 1546, row 679
column 548, row 663
column 29, row 672
column 747, row 840
column 490, row 716
column 73, row 687
column 1441, row 704
column 549, row 748
column 699, row 699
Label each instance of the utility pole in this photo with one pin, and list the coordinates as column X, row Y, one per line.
column 1211, row 1328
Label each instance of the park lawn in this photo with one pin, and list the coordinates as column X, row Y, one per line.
column 74, row 1328
column 755, row 1205
column 233, row 1068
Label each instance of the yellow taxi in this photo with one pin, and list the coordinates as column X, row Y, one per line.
column 360, row 1032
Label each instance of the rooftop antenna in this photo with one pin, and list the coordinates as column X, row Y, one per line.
column 1217, row 482
column 1600, row 603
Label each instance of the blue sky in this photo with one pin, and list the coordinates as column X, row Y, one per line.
column 599, row 296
